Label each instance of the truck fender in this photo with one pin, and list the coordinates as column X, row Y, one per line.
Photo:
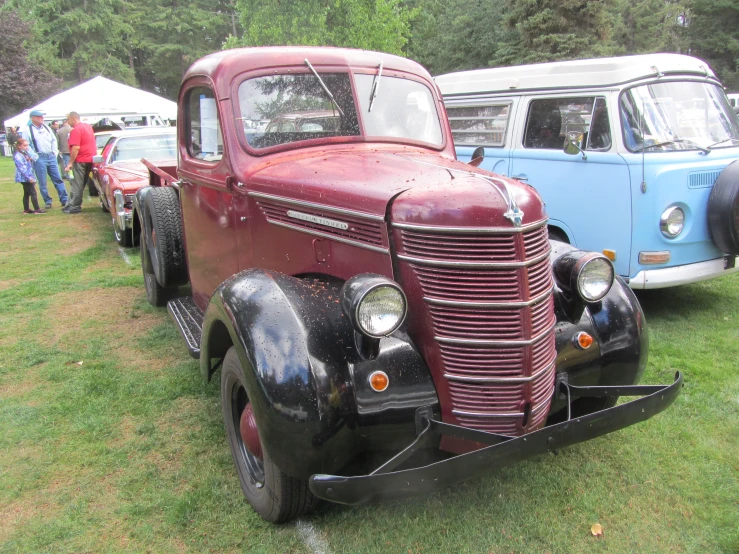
column 617, row 323
column 305, row 377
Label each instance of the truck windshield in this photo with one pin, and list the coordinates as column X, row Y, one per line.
column 677, row 115
column 404, row 109
column 278, row 109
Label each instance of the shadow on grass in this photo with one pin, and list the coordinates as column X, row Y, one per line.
column 687, row 301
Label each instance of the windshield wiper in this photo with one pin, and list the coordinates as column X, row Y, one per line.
column 375, row 86
column 721, row 142
column 676, row 141
column 325, row 88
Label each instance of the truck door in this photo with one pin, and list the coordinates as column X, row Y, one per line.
column 588, row 197
column 483, row 122
column 208, row 223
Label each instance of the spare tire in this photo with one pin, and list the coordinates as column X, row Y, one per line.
column 164, row 237
column 723, row 210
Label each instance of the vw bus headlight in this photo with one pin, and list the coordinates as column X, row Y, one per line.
column 376, row 305
column 672, row 221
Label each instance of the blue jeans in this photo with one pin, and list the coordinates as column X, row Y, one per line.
column 47, row 163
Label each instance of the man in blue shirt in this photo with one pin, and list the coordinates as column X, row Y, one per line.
column 43, row 141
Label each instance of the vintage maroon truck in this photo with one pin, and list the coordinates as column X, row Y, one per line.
column 365, row 294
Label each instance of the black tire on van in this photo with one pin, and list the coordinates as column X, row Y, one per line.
column 723, row 210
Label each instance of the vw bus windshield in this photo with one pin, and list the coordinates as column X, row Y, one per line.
column 680, row 115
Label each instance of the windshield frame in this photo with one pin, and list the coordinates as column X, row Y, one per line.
column 676, row 79
column 351, row 71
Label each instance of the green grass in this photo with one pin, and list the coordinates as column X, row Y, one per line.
column 126, row 451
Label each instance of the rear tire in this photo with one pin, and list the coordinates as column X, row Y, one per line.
column 164, row 236
column 156, row 294
column 273, row 494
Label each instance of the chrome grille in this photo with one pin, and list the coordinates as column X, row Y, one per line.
column 488, row 297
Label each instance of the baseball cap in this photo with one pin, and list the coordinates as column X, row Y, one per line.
column 35, row 113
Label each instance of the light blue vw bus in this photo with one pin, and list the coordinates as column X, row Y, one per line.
column 632, row 155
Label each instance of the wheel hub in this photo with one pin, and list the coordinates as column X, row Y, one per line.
column 250, row 433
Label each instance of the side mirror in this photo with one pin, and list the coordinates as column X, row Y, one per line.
column 97, row 159
column 573, row 140
column 477, row 156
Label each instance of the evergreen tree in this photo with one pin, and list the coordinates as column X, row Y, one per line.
column 713, row 35
column 22, row 82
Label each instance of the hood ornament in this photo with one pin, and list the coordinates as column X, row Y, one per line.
column 515, row 214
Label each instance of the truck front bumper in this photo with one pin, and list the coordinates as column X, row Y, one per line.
column 386, row 484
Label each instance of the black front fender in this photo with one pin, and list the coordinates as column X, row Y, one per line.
column 305, row 376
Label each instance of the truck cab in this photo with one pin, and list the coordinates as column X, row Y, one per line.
column 362, row 291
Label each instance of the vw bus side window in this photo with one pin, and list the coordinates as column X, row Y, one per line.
column 204, row 131
column 678, row 115
column 479, row 125
column 550, row 120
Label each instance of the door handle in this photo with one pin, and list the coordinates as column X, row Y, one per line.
column 522, row 177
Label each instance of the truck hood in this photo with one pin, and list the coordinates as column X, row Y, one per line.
column 424, row 187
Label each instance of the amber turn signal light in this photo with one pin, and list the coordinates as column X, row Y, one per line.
column 379, row 381
column 583, row 340
column 610, row 254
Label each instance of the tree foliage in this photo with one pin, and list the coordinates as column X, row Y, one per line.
column 370, row 24
column 23, row 83
column 713, row 35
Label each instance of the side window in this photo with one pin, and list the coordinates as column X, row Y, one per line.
column 479, row 125
column 205, row 139
column 550, row 120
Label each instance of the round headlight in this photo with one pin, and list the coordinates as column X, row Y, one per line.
column 595, row 278
column 381, row 311
column 672, row 221
column 375, row 304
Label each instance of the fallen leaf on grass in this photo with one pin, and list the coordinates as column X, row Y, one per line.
column 75, row 363
column 596, row 529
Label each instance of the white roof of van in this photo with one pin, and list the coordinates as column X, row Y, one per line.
column 571, row 74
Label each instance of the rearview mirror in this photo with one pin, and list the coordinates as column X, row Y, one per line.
column 97, row 159
column 573, row 140
column 477, row 156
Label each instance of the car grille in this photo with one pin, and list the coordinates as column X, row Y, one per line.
column 487, row 293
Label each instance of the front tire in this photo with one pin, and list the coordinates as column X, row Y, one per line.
column 273, row 494
column 124, row 237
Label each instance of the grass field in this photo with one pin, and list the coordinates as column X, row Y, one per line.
column 110, row 441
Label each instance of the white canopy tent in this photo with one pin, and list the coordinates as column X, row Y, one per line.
column 98, row 98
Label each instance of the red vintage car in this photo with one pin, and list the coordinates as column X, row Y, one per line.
column 118, row 172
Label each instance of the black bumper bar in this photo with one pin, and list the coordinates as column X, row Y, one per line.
column 385, row 484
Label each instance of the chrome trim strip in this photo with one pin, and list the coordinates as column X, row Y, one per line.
column 465, row 379
column 451, row 340
column 470, row 230
column 491, row 416
column 483, row 265
column 344, row 211
column 534, row 410
column 522, row 304
column 329, row 236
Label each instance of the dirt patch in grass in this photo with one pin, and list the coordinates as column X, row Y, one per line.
column 8, row 283
column 110, row 310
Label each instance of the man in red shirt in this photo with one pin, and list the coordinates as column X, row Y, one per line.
column 81, row 150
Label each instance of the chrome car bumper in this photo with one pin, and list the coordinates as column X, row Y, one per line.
column 683, row 274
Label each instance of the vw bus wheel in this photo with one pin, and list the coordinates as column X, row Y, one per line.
column 723, row 210
column 273, row 494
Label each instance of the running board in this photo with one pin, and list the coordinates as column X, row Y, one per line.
column 189, row 320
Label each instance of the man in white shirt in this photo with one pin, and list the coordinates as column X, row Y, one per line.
column 43, row 141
